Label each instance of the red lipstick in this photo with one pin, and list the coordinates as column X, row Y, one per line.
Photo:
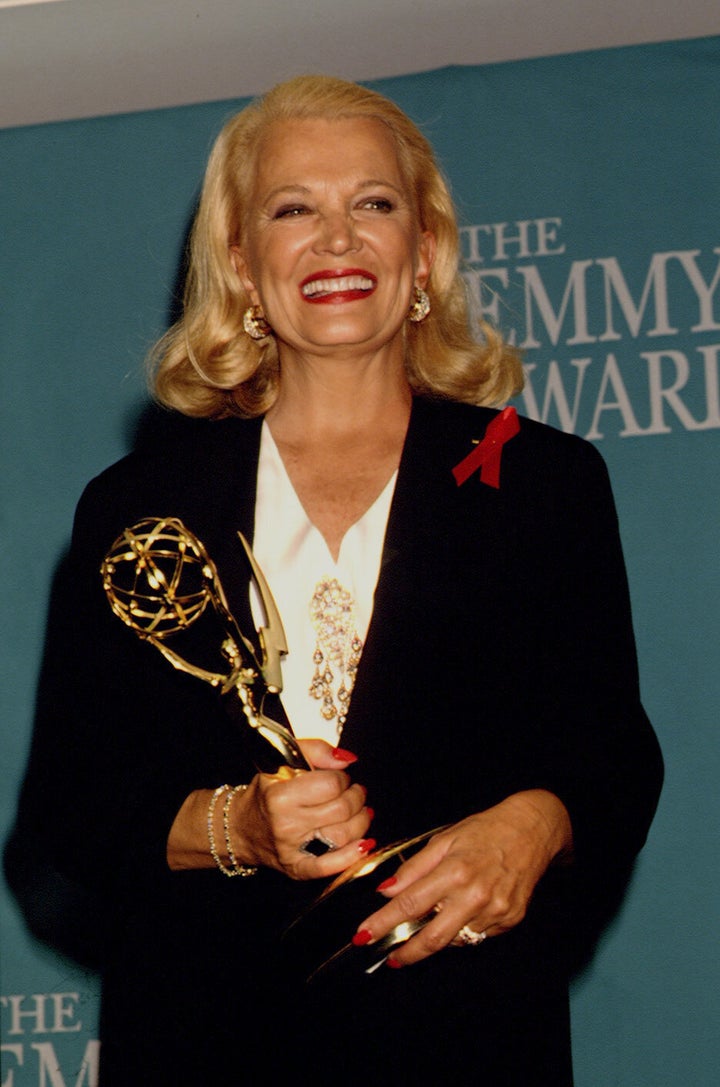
column 333, row 285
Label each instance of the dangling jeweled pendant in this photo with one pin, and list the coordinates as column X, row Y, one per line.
column 332, row 611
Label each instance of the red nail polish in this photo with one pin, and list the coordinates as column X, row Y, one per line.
column 364, row 936
column 370, row 812
column 386, row 883
column 344, row 756
column 366, row 845
column 393, row 963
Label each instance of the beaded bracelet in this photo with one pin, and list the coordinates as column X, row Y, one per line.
column 237, row 869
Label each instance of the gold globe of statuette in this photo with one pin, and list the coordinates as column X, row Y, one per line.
column 157, row 577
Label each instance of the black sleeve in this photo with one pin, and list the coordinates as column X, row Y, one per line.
column 594, row 746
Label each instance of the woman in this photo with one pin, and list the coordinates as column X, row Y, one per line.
column 461, row 651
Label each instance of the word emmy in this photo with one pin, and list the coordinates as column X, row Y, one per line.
column 561, row 312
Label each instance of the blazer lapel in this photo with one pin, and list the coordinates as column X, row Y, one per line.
column 232, row 510
column 426, row 523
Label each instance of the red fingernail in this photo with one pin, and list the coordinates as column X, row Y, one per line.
column 364, row 936
column 366, row 845
column 370, row 812
column 393, row 963
column 344, row 756
column 386, row 883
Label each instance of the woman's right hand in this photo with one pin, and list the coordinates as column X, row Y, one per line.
column 277, row 815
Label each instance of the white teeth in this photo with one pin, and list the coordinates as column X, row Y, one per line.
column 337, row 284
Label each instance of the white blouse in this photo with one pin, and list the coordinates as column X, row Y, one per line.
column 296, row 561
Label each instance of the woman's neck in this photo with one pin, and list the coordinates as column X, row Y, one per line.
column 341, row 439
column 332, row 401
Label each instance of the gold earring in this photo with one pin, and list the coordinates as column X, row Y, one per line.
column 255, row 324
column 420, row 306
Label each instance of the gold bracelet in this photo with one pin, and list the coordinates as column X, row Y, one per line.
column 210, row 824
column 237, row 869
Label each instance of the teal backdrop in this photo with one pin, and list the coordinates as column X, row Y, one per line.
column 589, row 189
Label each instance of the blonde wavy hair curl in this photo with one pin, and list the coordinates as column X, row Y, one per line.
column 206, row 365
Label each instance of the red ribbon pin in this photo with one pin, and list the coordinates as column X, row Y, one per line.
column 486, row 455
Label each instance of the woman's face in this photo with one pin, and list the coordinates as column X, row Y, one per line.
column 332, row 246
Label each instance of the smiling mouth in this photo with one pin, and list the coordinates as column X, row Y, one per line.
column 337, row 287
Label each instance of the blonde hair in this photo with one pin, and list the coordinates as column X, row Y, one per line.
column 206, row 365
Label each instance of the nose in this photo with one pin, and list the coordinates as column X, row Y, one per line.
column 337, row 233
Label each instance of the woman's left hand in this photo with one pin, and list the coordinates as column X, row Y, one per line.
column 479, row 873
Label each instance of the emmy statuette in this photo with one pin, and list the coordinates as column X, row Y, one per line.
column 159, row 580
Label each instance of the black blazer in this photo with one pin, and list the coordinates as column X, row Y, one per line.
column 500, row 657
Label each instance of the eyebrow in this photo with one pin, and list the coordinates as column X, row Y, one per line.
column 289, row 189
column 305, row 190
